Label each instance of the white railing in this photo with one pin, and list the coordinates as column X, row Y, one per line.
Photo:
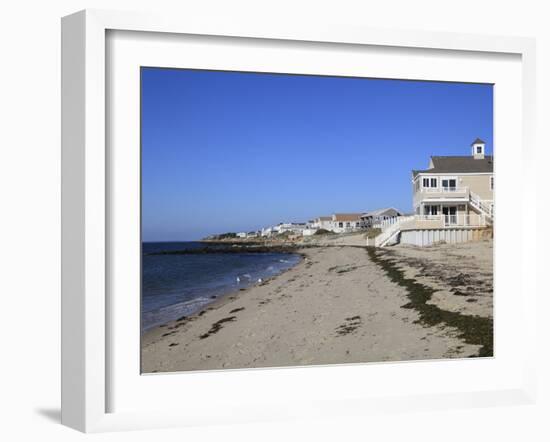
column 444, row 189
column 389, row 228
column 435, row 193
column 478, row 203
column 385, row 223
column 474, row 199
column 427, row 217
column 459, row 220
column 392, row 226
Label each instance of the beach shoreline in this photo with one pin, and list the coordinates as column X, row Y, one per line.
column 216, row 303
column 221, row 300
column 337, row 305
column 184, row 278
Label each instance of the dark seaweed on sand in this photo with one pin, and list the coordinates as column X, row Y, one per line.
column 474, row 330
column 349, row 326
column 217, row 326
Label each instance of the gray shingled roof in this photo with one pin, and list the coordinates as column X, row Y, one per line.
column 459, row 165
column 392, row 210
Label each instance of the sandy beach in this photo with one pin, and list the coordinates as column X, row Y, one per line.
column 341, row 304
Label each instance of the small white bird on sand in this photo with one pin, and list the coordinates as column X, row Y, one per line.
column 260, row 280
column 238, row 279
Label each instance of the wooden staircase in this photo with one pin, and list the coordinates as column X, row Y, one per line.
column 481, row 207
column 390, row 229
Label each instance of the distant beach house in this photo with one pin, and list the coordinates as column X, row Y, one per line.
column 268, row 231
column 322, row 222
column 247, row 234
column 456, row 186
column 296, row 228
column 292, row 228
column 374, row 217
column 345, row 222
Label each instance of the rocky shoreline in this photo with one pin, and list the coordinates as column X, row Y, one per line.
column 234, row 248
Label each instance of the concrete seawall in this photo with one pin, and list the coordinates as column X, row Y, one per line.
column 427, row 237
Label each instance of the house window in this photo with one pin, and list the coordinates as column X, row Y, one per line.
column 429, row 182
column 340, row 224
column 449, row 184
column 478, row 149
column 430, row 210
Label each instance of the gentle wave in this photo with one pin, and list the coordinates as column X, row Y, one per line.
column 174, row 311
column 181, row 285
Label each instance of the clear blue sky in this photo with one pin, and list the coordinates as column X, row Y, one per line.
column 230, row 151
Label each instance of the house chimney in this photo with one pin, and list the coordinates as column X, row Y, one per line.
column 478, row 149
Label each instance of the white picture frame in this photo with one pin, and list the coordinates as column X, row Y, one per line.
column 86, row 204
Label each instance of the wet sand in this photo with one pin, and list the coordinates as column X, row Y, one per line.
column 339, row 305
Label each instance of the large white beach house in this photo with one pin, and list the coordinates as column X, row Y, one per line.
column 452, row 200
column 458, row 187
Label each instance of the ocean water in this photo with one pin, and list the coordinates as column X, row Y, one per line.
column 180, row 285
